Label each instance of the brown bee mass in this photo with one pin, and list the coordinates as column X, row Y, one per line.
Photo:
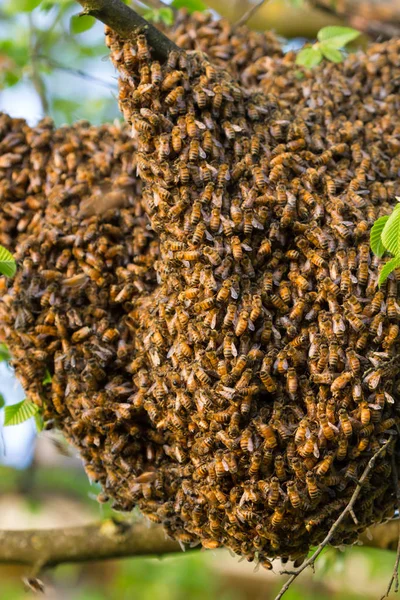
column 220, row 352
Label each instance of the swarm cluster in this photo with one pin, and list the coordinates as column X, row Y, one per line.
column 234, row 377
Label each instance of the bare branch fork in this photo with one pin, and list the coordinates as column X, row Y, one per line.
column 127, row 23
column 105, row 540
column 347, row 510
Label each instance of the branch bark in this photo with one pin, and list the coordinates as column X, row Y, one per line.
column 378, row 20
column 109, row 539
column 106, row 540
column 127, row 23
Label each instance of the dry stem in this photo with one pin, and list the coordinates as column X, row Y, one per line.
column 395, row 576
column 333, row 529
column 249, row 13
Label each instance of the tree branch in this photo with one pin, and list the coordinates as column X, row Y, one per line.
column 105, row 540
column 110, row 539
column 127, row 23
column 378, row 21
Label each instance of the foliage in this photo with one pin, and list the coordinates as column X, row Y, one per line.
column 160, row 15
column 15, row 414
column 46, row 47
column 5, row 356
column 47, row 378
column 8, row 265
column 385, row 237
column 190, row 5
column 331, row 41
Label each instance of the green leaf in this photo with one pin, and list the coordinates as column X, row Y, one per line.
column 16, row 6
column 20, row 412
column 152, row 15
column 38, row 422
column 2, row 401
column 375, row 237
column 16, row 50
column 338, row 36
column 190, row 5
column 167, row 15
column 10, row 78
column 387, row 269
column 391, row 232
column 4, row 353
column 47, row 379
column 8, row 265
column 330, row 52
column 309, row 57
column 80, row 24
column 297, row 3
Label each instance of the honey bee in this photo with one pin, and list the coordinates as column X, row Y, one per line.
column 293, row 494
column 255, row 463
column 273, row 492
column 280, row 470
column 324, row 465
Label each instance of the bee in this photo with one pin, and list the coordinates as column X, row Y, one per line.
column 293, row 494
column 246, row 441
column 279, row 465
column 242, row 322
column 175, row 96
column 324, row 465
column 341, row 381
column 312, row 488
column 267, row 433
column 277, row 516
column 345, row 422
column 273, row 492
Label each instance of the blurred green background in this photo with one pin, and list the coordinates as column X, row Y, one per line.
column 53, row 63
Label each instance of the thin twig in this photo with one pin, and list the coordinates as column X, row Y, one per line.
column 36, row 77
column 249, row 13
column 395, row 576
column 338, row 521
column 127, row 23
column 76, row 72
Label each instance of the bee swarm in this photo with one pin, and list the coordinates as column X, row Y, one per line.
column 220, row 352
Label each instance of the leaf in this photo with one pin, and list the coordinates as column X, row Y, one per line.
column 331, row 53
column 4, row 353
column 2, row 401
column 387, row 269
column 15, row 50
column 16, row 6
column 15, row 414
column 38, row 422
column 375, row 240
column 47, row 378
column 167, row 15
column 309, row 57
column 8, row 265
column 80, row 24
column 190, row 5
column 10, row 78
column 338, row 36
column 391, row 232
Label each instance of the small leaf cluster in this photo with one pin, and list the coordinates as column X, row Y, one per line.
column 8, row 265
column 385, row 237
column 331, row 41
column 160, row 15
column 15, row 414
column 190, row 5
